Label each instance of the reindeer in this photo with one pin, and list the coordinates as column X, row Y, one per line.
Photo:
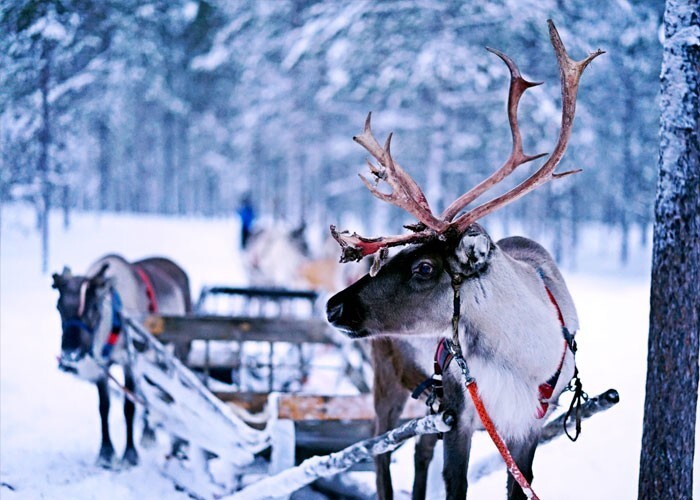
column 92, row 308
column 502, row 307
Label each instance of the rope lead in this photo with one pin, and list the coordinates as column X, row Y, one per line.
column 577, row 401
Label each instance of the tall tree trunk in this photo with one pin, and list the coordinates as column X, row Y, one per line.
column 65, row 203
column 43, row 167
column 168, row 193
column 104, row 164
column 141, row 157
column 668, row 441
column 574, row 224
column 186, row 178
column 629, row 169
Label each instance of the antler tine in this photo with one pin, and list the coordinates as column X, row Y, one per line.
column 355, row 247
column 570, row 73
column 405, row 192
column 518, row 86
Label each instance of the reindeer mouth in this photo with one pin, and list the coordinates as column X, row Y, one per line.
column 68, row 368
column 356, row 334
column 69, row 361
column 351, row 331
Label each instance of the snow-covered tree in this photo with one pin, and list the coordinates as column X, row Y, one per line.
column 47, row 50
column 182, row 106
column 668, row 442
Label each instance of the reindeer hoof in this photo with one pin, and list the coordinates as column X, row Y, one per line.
column 148, row 438
column 130, row 458
column 473, row 252
column 106, row 459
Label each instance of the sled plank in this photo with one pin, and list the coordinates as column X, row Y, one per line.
column 187, row 328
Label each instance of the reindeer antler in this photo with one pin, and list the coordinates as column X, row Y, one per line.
column 408, row 195
column 405, row 193
column 570, row 72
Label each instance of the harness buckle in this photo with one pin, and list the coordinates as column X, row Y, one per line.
column 461, row 362
column 430, row 402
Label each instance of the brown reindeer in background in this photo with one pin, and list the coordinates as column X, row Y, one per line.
column 511, row 308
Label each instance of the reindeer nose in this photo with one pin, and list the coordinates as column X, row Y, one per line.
column 334, row 312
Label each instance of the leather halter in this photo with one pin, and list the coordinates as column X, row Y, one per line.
column 115, row 331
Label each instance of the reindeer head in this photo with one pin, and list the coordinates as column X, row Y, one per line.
column 412, row 292
column 80, row 305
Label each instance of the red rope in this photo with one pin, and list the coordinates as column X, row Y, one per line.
column 498, row 441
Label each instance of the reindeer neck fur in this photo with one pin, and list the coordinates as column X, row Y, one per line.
column 511, row 350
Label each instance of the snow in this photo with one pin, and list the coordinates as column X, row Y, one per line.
column 74, row 84
column 49, row 424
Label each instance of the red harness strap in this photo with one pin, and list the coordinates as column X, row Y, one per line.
column 150, row 291
column 546, row 389
column 500, row 444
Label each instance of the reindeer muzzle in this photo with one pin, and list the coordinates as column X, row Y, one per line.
column 346, row 315
column 68, row 360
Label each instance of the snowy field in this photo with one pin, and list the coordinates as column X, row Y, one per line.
column 49, row 424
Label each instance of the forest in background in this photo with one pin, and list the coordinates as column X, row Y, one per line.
column 183, row 107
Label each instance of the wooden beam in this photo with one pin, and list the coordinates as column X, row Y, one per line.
column 187, row 328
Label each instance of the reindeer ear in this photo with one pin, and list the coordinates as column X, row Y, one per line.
column 473, row 250
column 60, row 279
column 57, row 281
column 99, row 278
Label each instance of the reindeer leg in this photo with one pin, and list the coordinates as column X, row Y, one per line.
column 421, row 460
column 388, row 412
column 524, row 453
column 130, row 457
column 457, row 442
column 148, row 435
column 106, row 457
column 389, row 399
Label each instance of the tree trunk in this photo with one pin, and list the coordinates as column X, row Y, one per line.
column 629, row 169
column 168, row 192
column 43, row 167
column 65, row 204
column 185, row 189
column 668, row 441
column 104, row 164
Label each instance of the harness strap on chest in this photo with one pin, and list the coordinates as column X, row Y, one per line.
column 546, row 389
column 150, row 291
column 117, row 325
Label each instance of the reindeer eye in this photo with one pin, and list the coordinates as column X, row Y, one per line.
column 424, row 269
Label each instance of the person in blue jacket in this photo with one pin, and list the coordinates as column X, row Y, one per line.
column 246, row 212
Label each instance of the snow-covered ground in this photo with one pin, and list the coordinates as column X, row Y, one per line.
column 49, row 424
